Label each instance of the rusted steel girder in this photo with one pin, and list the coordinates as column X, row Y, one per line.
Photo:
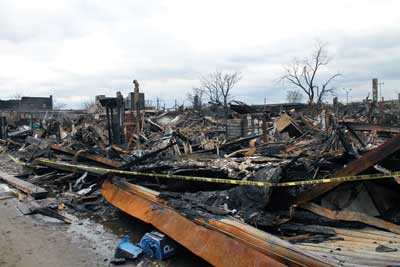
column 220, row 242
column 355, row 167
column 86, row 155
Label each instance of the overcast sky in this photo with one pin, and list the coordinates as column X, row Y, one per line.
column 75, row 50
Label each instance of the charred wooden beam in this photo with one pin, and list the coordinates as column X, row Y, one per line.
column 31, row 189
column 87, row 155
column 351, row 216
column 32, row 207
column 146, row 156
column 353, row 133
column 355, row 167
column 51, row 213
column 346, row 144
column 314, row 229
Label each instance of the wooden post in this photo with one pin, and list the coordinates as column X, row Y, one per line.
column 137, row 109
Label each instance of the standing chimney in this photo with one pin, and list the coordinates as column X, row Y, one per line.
column 137, row 109
column 375, row 90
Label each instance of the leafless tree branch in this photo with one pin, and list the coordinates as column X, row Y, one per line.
column 303, row 74
column 218, row 86
column 196, row 93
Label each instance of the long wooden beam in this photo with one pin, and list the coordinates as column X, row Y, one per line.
column 31, row 189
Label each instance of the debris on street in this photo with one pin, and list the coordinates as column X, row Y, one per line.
column 288, row 185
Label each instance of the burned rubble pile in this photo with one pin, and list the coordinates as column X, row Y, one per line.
column 266, row 146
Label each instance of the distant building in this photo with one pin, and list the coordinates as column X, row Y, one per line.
column 27, row 103
column 9, row 104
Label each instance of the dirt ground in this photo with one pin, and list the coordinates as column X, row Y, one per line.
column 36, row 240
column 26, row 242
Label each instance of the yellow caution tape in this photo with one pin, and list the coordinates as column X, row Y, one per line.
column 221, row 180
column 16, row 160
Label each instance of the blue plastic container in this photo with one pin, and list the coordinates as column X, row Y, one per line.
column 127, row 250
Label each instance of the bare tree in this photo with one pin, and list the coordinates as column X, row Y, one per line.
column 195, row 97
column 59, row 106
column 294, row 96
column 304, row 74
column 88, row 104
column 218, row 86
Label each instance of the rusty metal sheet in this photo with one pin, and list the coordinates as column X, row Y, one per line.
column 220, row 242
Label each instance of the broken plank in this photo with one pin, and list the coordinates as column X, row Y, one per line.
column 364, row 259
column 355, row 167
column 146, row 156
column 386, row 171
column 351, row 216
column 42, row 178
column 315, row 229
column 51, row 213
column 65, row 178
column 35, row 191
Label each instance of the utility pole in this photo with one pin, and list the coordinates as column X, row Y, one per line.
column 347, row 94
column 380, row 89
column 265, row 103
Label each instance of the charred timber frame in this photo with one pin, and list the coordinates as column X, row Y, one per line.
column 355, row 167
column 222, row 242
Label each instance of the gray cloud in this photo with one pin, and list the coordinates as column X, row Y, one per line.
column 78, row 49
